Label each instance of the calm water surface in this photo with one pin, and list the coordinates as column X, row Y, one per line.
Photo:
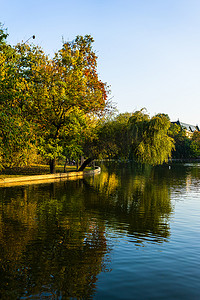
column 128, row 233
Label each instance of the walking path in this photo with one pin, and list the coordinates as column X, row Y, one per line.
column 36, row 179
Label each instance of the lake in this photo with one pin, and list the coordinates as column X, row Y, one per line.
column 131, row 232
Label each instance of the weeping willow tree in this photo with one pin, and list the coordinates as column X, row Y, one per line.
column 150, row 142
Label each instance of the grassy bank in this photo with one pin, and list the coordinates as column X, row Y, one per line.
column 34, row 170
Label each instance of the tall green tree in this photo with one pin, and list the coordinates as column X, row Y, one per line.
column 60, row 92
column 182, row 142
column 113, row 137
column 150, row 142
column 195, row 144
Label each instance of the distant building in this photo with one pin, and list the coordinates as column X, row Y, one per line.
column 190, row 129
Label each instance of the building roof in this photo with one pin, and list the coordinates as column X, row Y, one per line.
column 188, row 127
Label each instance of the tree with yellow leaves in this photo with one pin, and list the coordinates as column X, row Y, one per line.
column 48, row 102
column 61, row 92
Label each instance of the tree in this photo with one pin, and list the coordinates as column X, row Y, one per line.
column 48, row 103
column 114, row 138
column 15, row 131
column 60, row 92
column 195, row 144
column 135, row 136
column 182, row 148
column 150, row 142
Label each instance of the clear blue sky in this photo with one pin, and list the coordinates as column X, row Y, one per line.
column 148, row 50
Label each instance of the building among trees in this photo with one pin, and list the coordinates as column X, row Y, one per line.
column 189, row 129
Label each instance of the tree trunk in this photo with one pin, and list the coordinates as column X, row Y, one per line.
column 77, row 164
column 52, row 165
column 82, row 159
column 86, row 162
column 66, row 161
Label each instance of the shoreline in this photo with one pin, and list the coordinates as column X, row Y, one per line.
column 37, row 179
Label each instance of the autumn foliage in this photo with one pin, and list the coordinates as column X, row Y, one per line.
column 48, row 103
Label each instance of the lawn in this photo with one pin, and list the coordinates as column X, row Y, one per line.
column 33, row 170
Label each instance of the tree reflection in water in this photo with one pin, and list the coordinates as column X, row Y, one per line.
column 133, row 201
column 50, row 244
column 53, row 236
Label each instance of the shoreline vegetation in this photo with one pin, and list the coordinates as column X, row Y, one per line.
column 43, row 169
column 55, row 110
column 40, row 174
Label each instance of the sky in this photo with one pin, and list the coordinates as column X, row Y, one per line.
column 148, row 50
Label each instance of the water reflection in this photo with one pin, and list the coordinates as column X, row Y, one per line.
column 50, row 245
column 133, row 201
column 53, row 237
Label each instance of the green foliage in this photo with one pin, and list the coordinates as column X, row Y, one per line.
column 150, row 142
column 15, row 138
column 50, row 149
column 135, row 136
column 15, row 130
column 62, row 93
column 195, row 145
column 3, row 34
column 53, row 99
column 113, row 137
column 182, row 142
